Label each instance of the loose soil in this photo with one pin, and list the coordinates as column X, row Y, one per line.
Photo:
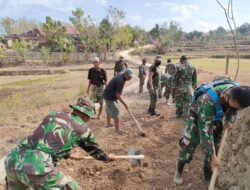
column 160, row 146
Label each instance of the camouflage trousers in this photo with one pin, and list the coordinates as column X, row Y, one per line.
column 153, row 100
column 195, row 134
column 33, row 169
column 97, row 93
column 142, row 81
column 167, row 88
column 183, row 101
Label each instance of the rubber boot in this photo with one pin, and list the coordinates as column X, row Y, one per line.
column 178, row 176
column 150, row 111
column 207, row 173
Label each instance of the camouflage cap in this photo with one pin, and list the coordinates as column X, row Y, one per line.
column 85, row 106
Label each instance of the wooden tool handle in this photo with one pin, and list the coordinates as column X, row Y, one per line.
column 136, row 122
column 220, row 152
column 139, row 157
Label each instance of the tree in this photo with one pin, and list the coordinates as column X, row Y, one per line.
column 55, row 33
column 8, row 25
column 22, row 47
column 230, row 17
column 45, row 51
column 244, row 28
column 57, row 39
column 139, row 35
column 12, row 26
column 155, row 32
column 220, row 32
column 86, row 29
column 123, row 36
column 115, row 17
column 194, row 35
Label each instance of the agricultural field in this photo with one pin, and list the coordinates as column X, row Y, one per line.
column 25, row 100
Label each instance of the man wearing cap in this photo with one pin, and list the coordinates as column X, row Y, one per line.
column 120, row 66
column 185, row 81
column 142, row 74
column 32, row 163
column 113, row 93
column 97, row 81
column 153, row 82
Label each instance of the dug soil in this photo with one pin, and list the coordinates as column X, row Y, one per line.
column 160, row 146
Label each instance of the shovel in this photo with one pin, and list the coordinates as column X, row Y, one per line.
column 141, row 132
column 216, row 170
column 134, row 156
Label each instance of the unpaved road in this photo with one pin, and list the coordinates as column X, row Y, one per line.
column 160, row 146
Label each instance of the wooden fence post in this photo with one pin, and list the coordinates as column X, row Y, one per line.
column 227, row 63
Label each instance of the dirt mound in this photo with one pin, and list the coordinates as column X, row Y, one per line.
column 235, row 170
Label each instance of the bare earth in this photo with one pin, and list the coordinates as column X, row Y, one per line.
column 160, row 146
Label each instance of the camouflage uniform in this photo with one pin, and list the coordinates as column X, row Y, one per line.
column 184, row 81
column 155, row 81
column 142, row 76
column 32, row 164
column 120, row 66
column 202, row 129
column 171, row 70
column 165, row 82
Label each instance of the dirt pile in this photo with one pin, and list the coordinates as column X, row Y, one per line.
column 235, row 168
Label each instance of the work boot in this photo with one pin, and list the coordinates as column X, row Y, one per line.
column 155, row 113
column 207, row 172
column 178, row 176
column 150, row 111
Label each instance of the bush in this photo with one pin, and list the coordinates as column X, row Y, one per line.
column 45, row 51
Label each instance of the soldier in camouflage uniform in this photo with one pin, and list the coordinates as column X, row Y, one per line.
column 153, row 82
column 165, row 82
column 171, row 70
column 120, row 66
column 142, row 74
column 201, row 129
column 185, row 81
column 32, row 164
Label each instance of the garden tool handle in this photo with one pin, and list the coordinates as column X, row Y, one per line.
column 136, row 122
column 139, row 157
column 216, row 170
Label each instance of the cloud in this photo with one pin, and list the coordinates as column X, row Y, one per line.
column 102, row 2
column 158, row 20
column 184, row 11
column 58, row 5
column 205, row 26
column 135, row 17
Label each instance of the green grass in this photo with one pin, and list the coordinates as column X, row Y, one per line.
column 216, row 65
column 29, row 82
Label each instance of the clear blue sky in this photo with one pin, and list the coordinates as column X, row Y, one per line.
column 202, row 15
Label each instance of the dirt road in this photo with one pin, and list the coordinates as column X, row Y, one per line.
column 160, row 146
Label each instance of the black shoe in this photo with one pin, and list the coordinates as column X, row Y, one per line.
column 207, row 172
column 178, row 176
column 155, row 114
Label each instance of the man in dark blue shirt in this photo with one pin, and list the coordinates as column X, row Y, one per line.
column 112, row 93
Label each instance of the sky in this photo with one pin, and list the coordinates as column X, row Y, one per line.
column 201, row 15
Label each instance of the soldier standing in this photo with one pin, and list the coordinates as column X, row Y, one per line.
column 120, row 66
column 218, row 103
column 171, row 70
column 32, row 164
column 97, row 81
column 153, row 82
column 142, row 74
column 185, row 81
